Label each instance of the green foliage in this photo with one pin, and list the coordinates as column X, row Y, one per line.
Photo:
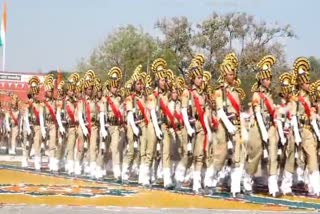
column 179, row 40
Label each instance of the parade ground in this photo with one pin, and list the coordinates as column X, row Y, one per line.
column 28, row 191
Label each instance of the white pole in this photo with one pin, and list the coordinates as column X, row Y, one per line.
column 4, row 57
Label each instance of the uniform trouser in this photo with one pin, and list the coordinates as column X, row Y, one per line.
column 254, row 150
column 113, row 144
column 309, row 146
column 220, row 148
column 71, row 142
column 131, row 154
column 198, row 149
column 93, row 144
column 79, row 145
column 90, row 155
column 182, row 140
column 27, row 143
column 14, row 135
column 166, row 148
column 52, row 135
column 148, row 149
column 37, row 138
column 289, row 164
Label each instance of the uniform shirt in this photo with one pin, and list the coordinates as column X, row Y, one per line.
column 13, row 113
column 298, row 107
column 174, row 107
column 91, row 103
column 259, row 105
column 47, row 115
column 69, row 104
column 34, row 107
column 154, row 102
column 187, row 101
column 131, row 105
column 222, row 102
column 106, row 107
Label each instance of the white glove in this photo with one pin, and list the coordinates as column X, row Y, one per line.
column 85, row 131
column 244, row 135
column 230, row 127
column 103, row 132
column 62, row 130
column 102, row 146
column 315, row 128
column 262, row 127
column 210, row 138
column 155, row 124
column 294, row 124
column 43, row 132
column 28, row 130
column 131, row 122
column 283, row 139
column 173, row 133
column 190, row 130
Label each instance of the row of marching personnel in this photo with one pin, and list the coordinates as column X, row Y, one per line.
column 179, row 129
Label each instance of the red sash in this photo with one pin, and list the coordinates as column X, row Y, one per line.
column 214, row 122
column 234, row 103
column 268, row 105
column 13, row 118
column 179, row 117
column 70, row 113
column 166, row 111
column 36, row 114
column 201, row 119
column 305, row 105
column 114, row 109
column 53, row 115
column 88, row 116
column 142, row 110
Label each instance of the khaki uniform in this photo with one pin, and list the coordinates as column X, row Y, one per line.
column 51, row 127
column 113, row 140
column 220, row 148
column 136, row 146
column 254, row 148
column 69, row 115
column 187, row 101
column 308, row 144
column 33, row 113
column 13, row 117
column 90, row 112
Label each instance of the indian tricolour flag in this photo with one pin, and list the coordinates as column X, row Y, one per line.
column 3, row 26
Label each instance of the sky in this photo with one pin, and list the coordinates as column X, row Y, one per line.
column 44, row 35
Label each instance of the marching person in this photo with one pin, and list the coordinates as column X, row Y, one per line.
column 228, row 134
column 49, row 123
column 68, row 121
column 34, row 131
column 263, row 141
column 304, row 122
column 137, row 121
column 13, row 124
column 282, row 121
column 87, row 115
column 111, row 117
column 194, row 100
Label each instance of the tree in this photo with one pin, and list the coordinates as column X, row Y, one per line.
column 126, row 48
column 177, row 33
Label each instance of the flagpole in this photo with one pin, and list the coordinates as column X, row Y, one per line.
column 3, row 34
column 4, row 57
